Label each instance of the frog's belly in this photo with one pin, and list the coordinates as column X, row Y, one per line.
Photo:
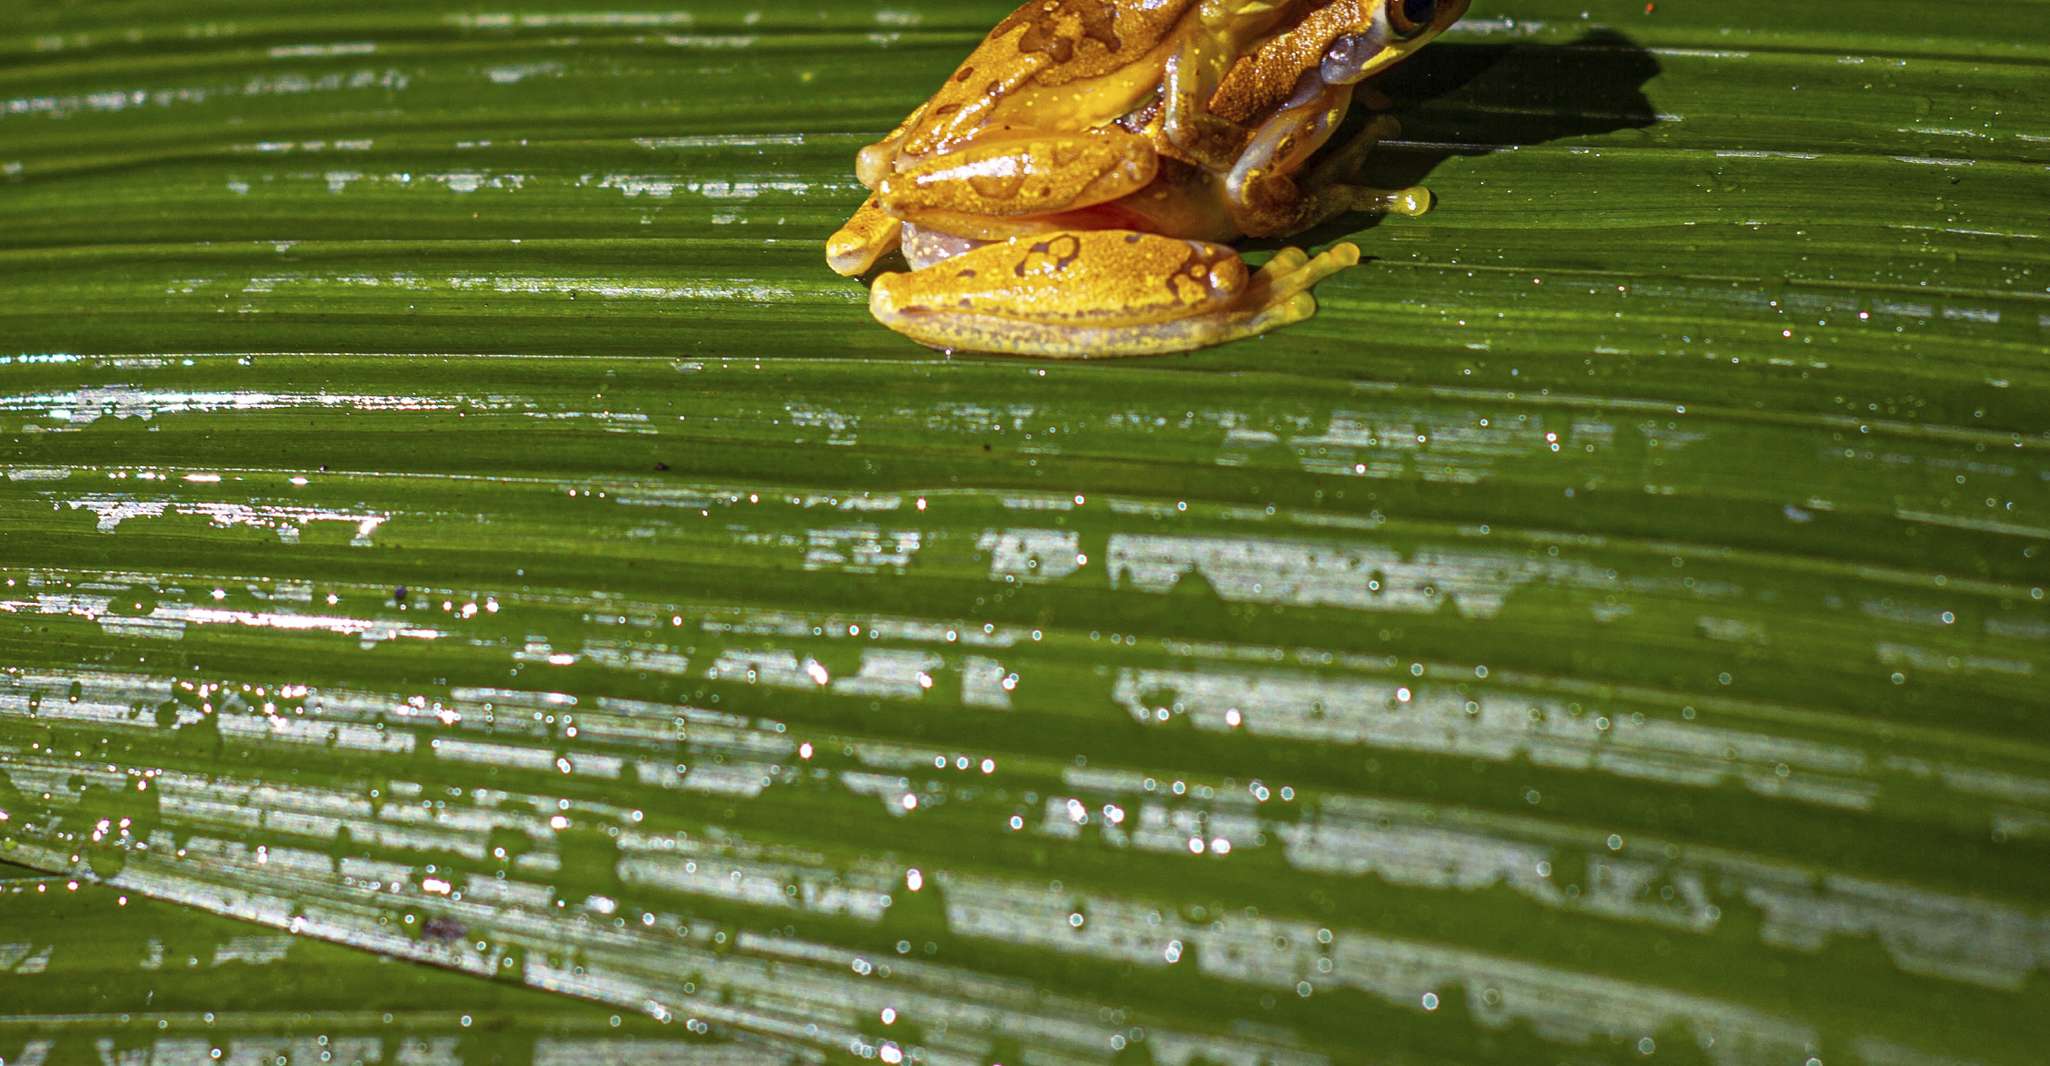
column 923, row 246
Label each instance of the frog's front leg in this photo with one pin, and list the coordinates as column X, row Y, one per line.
column 1095, row 293
column 1224, row 30
column 1266, row 198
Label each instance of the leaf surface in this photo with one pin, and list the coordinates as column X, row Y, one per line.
column 449, row 511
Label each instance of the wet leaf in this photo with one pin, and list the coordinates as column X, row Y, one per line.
column 452, row 516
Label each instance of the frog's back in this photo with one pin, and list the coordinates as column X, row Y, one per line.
column 1043, row 44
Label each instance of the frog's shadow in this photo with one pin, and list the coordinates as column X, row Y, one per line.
column 1478, row 99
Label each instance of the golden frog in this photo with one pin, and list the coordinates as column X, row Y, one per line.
column 1068, row 191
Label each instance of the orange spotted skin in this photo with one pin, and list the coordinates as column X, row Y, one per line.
column 872, row 231
column 1099, row 293
column 1064, row 193
column 1075, row 278
column 1054, row 64
column 1031, row 175
column 1260, row 81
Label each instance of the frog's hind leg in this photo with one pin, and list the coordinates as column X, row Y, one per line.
column 1092, row 294
column 979, row 191
column 1021, row 174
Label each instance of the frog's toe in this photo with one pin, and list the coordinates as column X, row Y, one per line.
column 867, row 237
column 1293, row 270
column 849, row 254
column 1297, row 308
column 1280, row 293
column 1285, row 261
column 1410, row 202
column 1337, row 200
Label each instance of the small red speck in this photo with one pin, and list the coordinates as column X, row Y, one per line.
column 1649, row 8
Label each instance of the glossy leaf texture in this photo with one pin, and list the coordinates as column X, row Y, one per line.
column 451, row 516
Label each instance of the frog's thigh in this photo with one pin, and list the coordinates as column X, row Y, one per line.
column 1099, row 293
column 1024, row 174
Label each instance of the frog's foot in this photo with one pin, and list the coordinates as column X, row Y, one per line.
column 1332, row 201
column 1282, row 288
column 871, row 234
column 1292, row 272
column 1411, row 202
column 1093, row 294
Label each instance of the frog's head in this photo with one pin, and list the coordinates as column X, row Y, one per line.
column 1397, row 28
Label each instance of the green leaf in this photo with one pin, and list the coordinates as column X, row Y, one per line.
column 92, row 975
column 451, row 514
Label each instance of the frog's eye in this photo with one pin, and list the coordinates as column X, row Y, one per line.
column 1411, row 17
